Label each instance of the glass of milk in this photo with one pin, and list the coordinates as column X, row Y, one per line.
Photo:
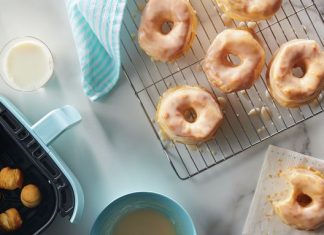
column 26, row 64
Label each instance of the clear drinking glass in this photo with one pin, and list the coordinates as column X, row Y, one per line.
column 26, row 64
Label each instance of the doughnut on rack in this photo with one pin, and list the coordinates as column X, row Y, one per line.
column 239, row 132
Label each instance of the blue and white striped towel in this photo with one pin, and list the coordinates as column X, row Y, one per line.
column 96, row 29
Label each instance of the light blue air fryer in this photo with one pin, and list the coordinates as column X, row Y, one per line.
column 27, row 147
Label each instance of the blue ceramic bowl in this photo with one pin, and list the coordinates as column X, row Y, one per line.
column 143, row 200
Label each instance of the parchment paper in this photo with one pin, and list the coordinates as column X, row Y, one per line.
column 261, row 219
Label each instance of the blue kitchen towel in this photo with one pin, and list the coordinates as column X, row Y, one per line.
column 96, row 28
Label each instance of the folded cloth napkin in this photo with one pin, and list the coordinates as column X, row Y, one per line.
column 96, row 28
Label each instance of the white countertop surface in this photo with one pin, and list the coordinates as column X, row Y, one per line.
column 114, row 150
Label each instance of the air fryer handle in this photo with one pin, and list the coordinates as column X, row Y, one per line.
column 48, row 129
column 55, row 123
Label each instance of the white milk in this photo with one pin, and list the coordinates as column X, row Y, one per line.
column 144, row 222
column 26, row 64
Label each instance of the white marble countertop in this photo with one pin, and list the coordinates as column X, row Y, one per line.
column 114, row 151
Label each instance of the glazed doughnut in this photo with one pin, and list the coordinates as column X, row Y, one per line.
column 189, row 115
column 286, row 88
column 304, row 206
column 247, row 10
column 227, row 76
column 172, row 45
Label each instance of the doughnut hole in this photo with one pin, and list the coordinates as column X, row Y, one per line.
column 166, row 27
column 299, row 70
column 189, row 115
column 233, row 60
column 304, row 200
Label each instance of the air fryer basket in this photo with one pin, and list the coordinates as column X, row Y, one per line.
column 20, row 149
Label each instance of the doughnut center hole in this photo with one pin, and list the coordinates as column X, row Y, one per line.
column 304, row 200
column 190, row 115
column 166, row 27
column 234, row 60
column 299, row 69
column 298, row 72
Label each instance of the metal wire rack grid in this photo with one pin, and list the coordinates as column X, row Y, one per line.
column 240, row 131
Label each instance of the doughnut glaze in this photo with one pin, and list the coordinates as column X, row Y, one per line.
column 189, row 115
column 168, row 46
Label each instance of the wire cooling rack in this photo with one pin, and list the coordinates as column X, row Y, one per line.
column 240, row 131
